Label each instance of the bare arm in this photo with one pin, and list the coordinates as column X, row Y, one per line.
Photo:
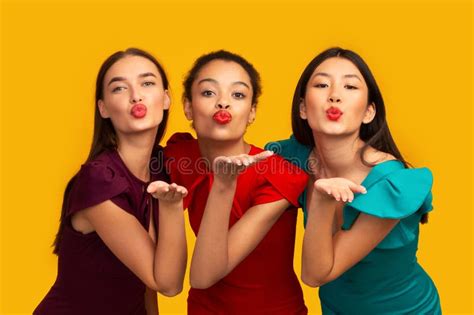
column 327, row 256
column 151, row 298
column 151, row 302
column 160, row 267
column 218, row 250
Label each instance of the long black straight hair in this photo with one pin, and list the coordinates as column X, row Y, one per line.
column 375, row 134
column 104, row 136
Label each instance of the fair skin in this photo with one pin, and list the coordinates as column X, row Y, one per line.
column 329, row 251
column 159, row 263
column 218, row 250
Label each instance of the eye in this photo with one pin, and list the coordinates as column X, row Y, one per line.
column 350, row 87
column 149, row 83
column 207, row 93
column 239, row 95
column 321, row 85
column 118, row 89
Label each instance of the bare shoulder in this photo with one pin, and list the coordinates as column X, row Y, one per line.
column 374, row 156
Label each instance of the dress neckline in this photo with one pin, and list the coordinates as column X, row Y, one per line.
column 119, row 160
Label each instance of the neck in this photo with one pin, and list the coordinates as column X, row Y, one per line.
column 339, row 156
column 135, row 150
column 210, row 149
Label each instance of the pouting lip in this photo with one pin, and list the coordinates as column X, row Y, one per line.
column 333, row 113
column 138, row 110
column 222, row 117
column 333, row 110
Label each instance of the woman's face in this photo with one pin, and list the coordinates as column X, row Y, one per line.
column 221, row 106
column 133, row 95
column 336, row 100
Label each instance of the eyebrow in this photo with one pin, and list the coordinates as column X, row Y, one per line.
column 141, row 75
column 215, row 81
column 324, row 74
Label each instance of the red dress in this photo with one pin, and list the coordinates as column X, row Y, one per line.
column 264, row 282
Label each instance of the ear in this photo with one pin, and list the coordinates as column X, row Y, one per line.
column 303, row 110
column 369, row 114
column 188, row 109
column 252, row 114
column 102, row 109
column 167, row 100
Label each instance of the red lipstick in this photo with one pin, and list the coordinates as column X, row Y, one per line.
column 138, row 110
column 222, row 117
column 333, row 113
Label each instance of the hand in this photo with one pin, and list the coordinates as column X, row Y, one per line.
column 228, row 167
column 170, row 193
column 338, row 189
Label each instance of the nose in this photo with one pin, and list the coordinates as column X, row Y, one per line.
column 135, row 96
column 334, row 99
column 221, row 105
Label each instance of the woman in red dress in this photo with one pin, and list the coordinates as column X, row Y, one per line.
column 113, row 243
column 243, row 212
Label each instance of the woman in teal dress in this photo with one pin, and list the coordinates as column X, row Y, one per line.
column 363, row 205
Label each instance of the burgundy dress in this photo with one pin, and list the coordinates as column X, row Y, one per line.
column 264, row 282
column 91, row 279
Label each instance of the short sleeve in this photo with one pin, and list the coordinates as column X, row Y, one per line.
column 96, row 182
column 281, row 179
column 403, row 194
column 183, row 163
column 180, row 155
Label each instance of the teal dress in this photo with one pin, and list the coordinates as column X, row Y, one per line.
column 389, row 279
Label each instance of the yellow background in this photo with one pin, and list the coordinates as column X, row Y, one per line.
column 419, row 51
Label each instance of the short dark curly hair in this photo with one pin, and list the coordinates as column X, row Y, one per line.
column 226, row 56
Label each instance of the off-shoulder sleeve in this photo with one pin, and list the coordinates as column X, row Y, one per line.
column 404, row 194
column 291, row 150
column 280, row 179
column 96, row 182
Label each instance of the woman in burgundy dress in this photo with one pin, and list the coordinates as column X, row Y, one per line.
column 115, row 248
column 243, row 212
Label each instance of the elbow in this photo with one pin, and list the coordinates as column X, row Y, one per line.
column 170, row 292
column 169, row 288
column 313, row 279
column 312, row 282
column 201, row 281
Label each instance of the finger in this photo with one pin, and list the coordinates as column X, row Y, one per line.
column 357, row 188
column 155, row 186
column 172, row 194
column 245, row 160
column 348, row 194
column 183, row 191
column 163, row 189
column 263, row 155
column 152, row 187
column 173, row 187
column 351, row 195
column 251, row 160
column 344, row 195
column 237, row 160
column 221, row 161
